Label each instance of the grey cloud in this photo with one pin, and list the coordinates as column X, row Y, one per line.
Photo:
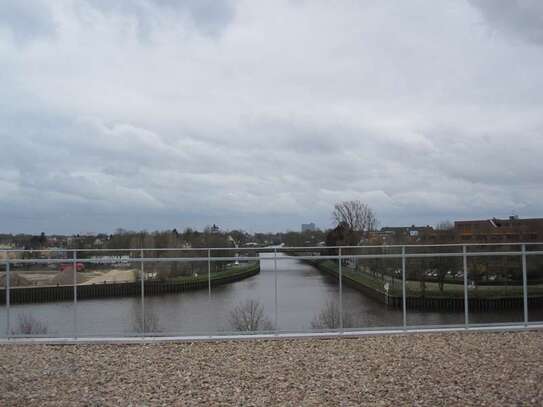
column 123, row 168
column 422, row 126
column 506, row 157
column 27, row 20
column 523, row 18
column 208, row 16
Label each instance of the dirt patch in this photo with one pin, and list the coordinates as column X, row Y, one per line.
column 118, row 276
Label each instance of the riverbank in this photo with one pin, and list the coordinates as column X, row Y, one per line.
column 451, row 299
column 469, row 369
column 21, row 295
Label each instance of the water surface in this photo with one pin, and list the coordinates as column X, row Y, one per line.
column 303, row 292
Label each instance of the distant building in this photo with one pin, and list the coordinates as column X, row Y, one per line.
column 496, row 230
column 408, row 230
column 493, row 230
column 401, row 233
column 308, row 227
column 380, row 237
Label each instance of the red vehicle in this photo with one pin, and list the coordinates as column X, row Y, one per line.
column 70, row 267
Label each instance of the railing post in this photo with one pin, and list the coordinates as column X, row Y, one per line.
column 142, row 283
column 525, row 285
column 340, row 293
column 276, row 307
column 8, row 299
column 404, row 298
column 209, row 274
column 75, row 292
column 466, row 300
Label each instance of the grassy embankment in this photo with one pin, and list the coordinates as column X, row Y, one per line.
column 240, row 270
column 431, row 290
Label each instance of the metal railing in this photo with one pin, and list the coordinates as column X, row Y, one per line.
column 338, row 255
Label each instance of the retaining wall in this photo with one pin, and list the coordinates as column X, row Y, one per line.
column 20, row 295
column 433, row 303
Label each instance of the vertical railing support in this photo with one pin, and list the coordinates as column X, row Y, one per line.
column 209, row 304
column 142, row 289
column 276, row 303
column 340, row 293
column 75, row 292
column 209, row 274
column 466, row 299
column 404, row 297
column 524, row 285
column 8, row 299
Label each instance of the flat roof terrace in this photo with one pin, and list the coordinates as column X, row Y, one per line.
column 478, row 368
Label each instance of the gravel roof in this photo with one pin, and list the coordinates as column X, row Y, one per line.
column 418, row 369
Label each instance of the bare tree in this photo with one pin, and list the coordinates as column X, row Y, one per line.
column 330, row 318
column 249, row 316
column 443, row 266
column 28, row 325
column 358, row 217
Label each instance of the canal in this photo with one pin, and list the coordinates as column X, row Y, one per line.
column 303, row 293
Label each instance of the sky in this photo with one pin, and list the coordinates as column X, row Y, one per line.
column 260, row 115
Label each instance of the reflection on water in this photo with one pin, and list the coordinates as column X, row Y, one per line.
column 303, row 292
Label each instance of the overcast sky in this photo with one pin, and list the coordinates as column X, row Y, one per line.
column 155, row 114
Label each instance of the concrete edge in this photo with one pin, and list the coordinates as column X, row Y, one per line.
column 271, row 336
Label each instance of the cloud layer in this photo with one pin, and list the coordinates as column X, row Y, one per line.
column 158, row 114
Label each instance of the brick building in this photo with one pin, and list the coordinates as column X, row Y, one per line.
column 495, row 230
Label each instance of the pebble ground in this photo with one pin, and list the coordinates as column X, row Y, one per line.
column 482, row 369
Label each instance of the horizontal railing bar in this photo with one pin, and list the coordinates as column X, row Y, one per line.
column 271, row 248
column 158, row 249
column 279, row 258
column 260, row 335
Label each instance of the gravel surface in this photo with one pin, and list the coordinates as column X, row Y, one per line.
column 492, row 369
